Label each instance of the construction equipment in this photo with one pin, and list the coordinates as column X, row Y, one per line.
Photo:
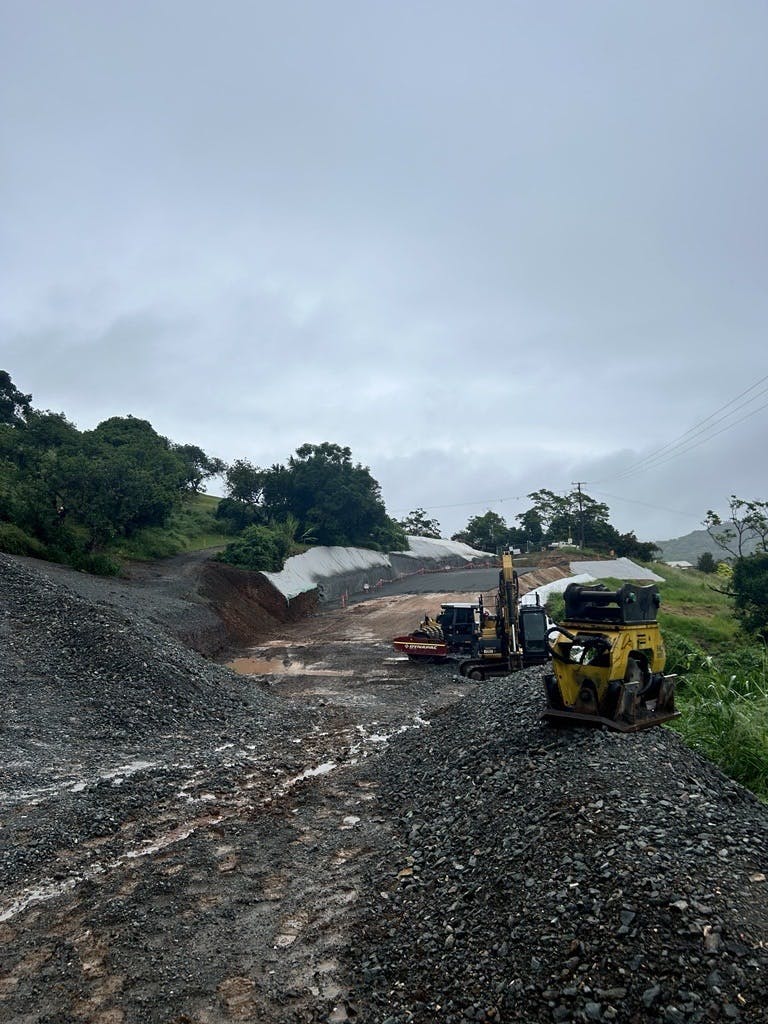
column 608, row 660
column 512, row 638
column 451, row 632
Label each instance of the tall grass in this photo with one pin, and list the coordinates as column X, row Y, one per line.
column 724, row 704
column 192, row 527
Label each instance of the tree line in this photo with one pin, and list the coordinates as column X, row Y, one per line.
column 554, row 518
column 68, row 495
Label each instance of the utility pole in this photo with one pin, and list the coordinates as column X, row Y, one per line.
column 577, row 484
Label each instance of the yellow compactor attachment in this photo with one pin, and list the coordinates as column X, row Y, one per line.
column 608, row 660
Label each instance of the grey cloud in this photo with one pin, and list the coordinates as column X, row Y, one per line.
column 495, row 245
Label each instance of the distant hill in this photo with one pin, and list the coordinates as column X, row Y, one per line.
column 691, row 546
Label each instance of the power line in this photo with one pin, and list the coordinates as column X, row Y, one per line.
column 647, row 504
column 464, row 504
column 709, row 437
column 703, row 429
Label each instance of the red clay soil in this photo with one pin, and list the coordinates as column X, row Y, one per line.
column 250, row 608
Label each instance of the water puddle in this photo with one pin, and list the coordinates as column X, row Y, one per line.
column 281, row 667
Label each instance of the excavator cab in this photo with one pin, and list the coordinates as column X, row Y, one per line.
column 608, row 660
column 533, row 634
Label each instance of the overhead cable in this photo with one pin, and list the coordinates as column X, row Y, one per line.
column 698, row 434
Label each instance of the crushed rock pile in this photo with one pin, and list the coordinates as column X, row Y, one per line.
column 80, row 672
column 553, row 875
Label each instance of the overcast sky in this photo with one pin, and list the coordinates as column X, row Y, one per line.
column 492, row 247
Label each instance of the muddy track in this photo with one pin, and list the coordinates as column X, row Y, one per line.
column 213, row 879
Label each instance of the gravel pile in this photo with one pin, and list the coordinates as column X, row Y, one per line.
column 82, row 674
column 537, row 874
column 107, row 717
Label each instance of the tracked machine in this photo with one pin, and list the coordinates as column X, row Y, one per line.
column 451, row 632
column 511, row 638
column 608, row 660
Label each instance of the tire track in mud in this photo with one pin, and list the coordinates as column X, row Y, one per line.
column 230, row 916
column 220, row 885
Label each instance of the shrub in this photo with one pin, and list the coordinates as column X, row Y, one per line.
column 15, row 541
column 259, row 549
column 97, row 565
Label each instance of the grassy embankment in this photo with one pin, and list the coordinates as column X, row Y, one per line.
column 722, row 688
column 723, row 677
column 192, row 527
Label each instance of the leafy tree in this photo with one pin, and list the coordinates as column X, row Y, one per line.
column 552, row 511
column 199, row 466
column 125, row 477
column 237, row 515
column 750, row 591
column 488, row 532
column 29, row 458
column 336, row 501
column 245, row 482
column 706, row 562
column 531, row 527
column 259, row 549
column 628, row 546
column 569, row 517
column 14, row 406
column 418, row 524
column 745, row 527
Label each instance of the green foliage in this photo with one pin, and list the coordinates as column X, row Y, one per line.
column 743, row 530
column 750, row 591
column 197, row 465
column 14, row 541
column 694, row 609
column 98, row 565
column 577, row 517
column 235, row 515
column 75, row 493
column 488, row 532
column 259, row 548
column 724, row 706
column 336, row 501
column 332, row 500
column 245, row 482
column 706, row 562
column 626, row 545
column 683, row 655
column 714, row 632
column 419, row 524
column 192, row 526
column 555, row 607
column 14, row 406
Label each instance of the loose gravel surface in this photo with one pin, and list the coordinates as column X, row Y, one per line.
column 534, row 874
column 343, row 836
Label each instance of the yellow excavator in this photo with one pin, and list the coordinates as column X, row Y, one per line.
column 608, row 660
column 510, row 638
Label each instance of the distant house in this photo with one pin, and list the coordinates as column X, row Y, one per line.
column 680, row 565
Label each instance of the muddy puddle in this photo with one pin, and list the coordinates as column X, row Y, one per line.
column 258, row 666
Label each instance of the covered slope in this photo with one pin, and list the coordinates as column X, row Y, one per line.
column 325, row 565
